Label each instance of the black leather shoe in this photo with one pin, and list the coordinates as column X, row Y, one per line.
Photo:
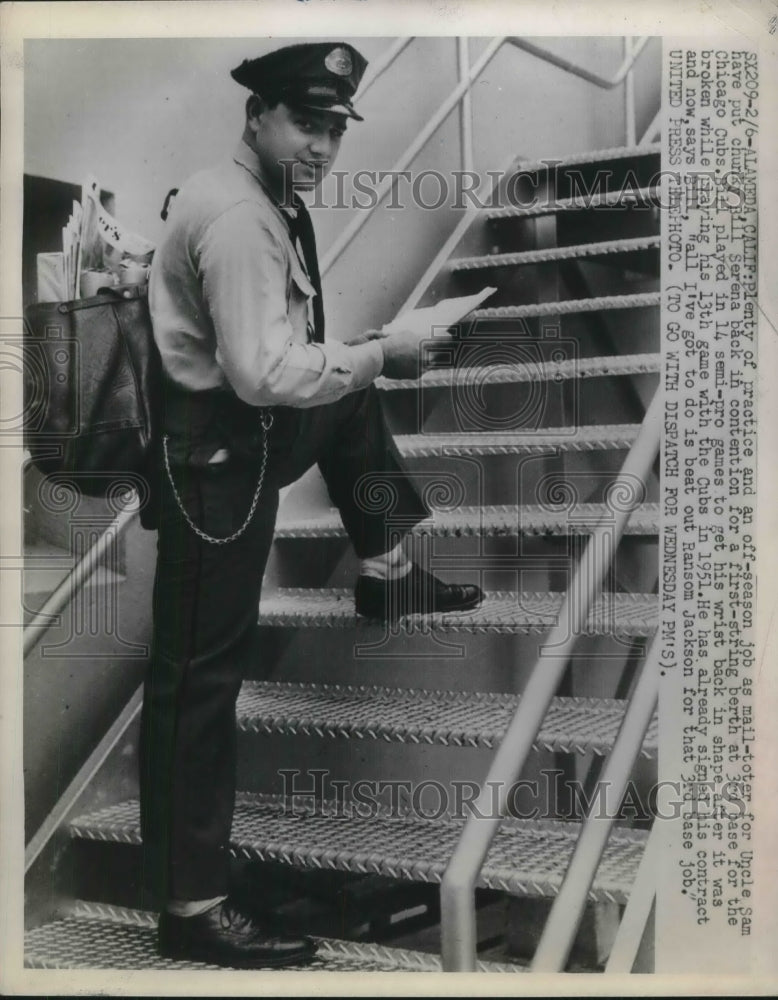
column 416, row 593
column 224, row 935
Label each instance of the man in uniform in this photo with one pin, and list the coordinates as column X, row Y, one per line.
column 253, row 397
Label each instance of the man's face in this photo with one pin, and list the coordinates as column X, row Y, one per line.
column 296, row 145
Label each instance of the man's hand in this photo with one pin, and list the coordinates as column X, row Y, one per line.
column 404, row 355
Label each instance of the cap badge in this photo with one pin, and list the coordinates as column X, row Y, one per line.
column 339, row 62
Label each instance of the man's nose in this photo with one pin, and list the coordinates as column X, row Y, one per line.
column 321, row 145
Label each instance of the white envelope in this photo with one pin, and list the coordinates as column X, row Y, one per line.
column 439, row 317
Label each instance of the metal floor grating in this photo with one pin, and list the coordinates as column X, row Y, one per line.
column 527, row 857
column 443, row 718
column 501, row 612
column 549, row 254
column 558, row 163
column 610, row 199
column 495, row 521
column 506, row 372
column 96, row 936
column 594, row 437
column 640, row 300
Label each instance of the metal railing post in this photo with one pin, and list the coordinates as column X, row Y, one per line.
column 562, row 924
column 465, row 106
column 653, row 130
column 458, row 919
column 629, row 93
column 638, row 909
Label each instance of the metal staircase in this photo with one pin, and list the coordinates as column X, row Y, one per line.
column 445, row 689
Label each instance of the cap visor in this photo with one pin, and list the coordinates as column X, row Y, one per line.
column 335, row 109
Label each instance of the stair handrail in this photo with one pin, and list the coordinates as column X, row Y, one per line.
column 603, row 82
column 70, row 798
column 458, row 919
column 468, row 76
column 380, row 65
column 78, row 576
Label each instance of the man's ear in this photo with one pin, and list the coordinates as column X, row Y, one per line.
column 255, row 106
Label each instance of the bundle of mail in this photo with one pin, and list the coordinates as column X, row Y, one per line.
column 94, row 244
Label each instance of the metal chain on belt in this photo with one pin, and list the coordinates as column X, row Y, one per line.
column 267, row 423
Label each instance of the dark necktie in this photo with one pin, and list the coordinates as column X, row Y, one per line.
column 301, row 228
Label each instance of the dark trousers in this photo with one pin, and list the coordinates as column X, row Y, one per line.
column 205, row 610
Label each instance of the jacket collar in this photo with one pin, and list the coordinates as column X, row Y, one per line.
column 247, row 158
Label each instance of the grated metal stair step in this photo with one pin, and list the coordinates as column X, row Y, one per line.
column 501, row 612
column 596, row 437
column 638, row 300
column 504, row 372
column 443, row 718
column 558, row 163
column 602, row 248
column 97, row 936
column 611, row 199
column 528, row 857
column 495, row 521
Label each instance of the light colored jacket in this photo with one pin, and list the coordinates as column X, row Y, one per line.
column 231, row 303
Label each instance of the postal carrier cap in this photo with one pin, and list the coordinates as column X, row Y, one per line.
column 323, row 76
